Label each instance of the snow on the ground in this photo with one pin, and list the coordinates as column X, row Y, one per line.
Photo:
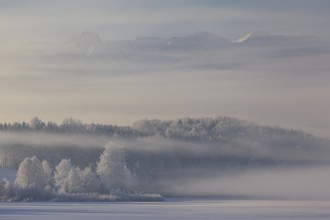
column 9, row 174
column 212, row 209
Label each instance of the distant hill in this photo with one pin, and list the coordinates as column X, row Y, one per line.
column 158, row 150
column 226, row 137
column 91, row 44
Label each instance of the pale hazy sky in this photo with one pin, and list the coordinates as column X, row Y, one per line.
column 287, row 90
column 117, row 19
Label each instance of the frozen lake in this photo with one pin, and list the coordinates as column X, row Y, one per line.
column 210, row 209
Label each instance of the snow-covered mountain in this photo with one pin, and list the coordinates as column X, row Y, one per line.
column 87, row 43
column 199, row 40
column 149, row 43
column 262, row 38
column 248, row 36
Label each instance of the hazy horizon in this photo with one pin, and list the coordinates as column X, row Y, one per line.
column 48, row 69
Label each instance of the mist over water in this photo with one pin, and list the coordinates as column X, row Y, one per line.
column 173, row 158
column 309, row 183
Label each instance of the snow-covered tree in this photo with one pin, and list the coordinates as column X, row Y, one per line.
column 48, row 175
column 37, row 124
column 112, row 170
column 31, row 174
column 62, row 171
column 73, row 125
column 6, row 189
column 33, row 180
column 73, row 181
column 89, row 180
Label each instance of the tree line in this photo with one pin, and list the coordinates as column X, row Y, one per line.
column 110, row 180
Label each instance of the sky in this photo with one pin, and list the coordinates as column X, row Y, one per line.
column 115, row 19
column 279, row 89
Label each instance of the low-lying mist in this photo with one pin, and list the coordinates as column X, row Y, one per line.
column 41, row 139
column 308, row 182
column 222, row 157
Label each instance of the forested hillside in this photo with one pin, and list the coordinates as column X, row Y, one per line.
column 184, row 142
column 74, row 157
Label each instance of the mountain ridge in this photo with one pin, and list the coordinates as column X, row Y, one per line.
column 90, row 43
